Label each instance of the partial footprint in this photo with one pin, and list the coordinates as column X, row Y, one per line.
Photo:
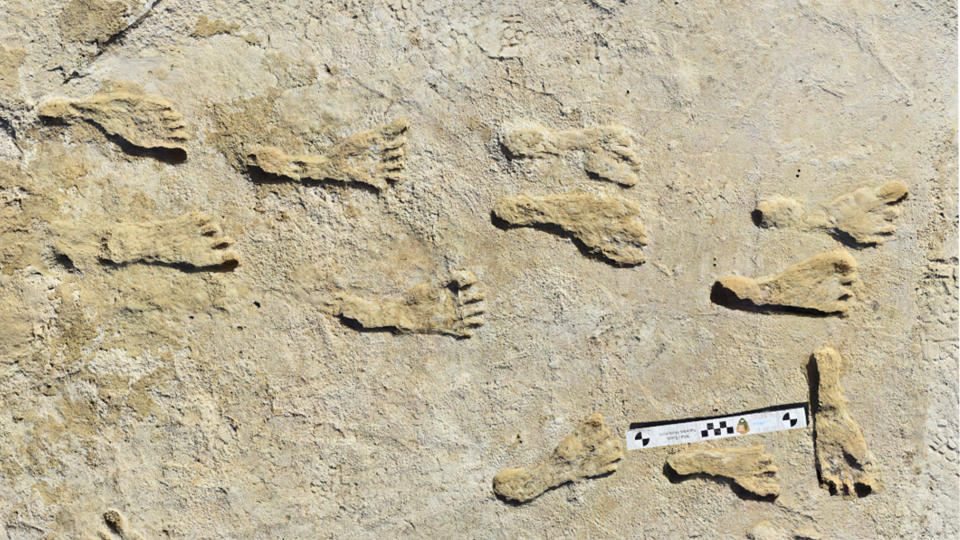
column 750, row 467
column 191, row 240
column 374, row 158
column 454, row 308
column 142, row 120
column 821, row 285
column 865, row 216
column 117, row 527
column 592, row 450
column 607, row 225
column 608, row 151
column 844, row 464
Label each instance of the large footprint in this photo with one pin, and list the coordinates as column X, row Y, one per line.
column 375, row 158
column 844, row 463
column 608, row 151
column 453, row 308
column 866, row 215
column 822, row 284
column 607, row 225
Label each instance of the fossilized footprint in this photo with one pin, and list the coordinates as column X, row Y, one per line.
column 454, row 308
column 193, row 240
column 821, row 285
column 606, row 225
column 866, row 215
column 117, row 527
column 608, row 151
column 375, row 158
column 844, row 463
column 143, row 120
column 591, row 450
column 750, row 467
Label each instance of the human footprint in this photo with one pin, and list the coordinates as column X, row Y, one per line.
column 591, row 450
column 375, row 158
column 608, row 151
column 454, row 308
column 607, row 225
column 866, row 215
column 821, row 285
column 117, row 527
column 844, row 463
column 193, row 240
column 751, row 467
column 124, row 110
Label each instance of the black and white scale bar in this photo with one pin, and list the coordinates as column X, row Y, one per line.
column 667, row 432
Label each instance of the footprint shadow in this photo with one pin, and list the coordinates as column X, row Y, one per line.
column 723, row 296
column 847, row 240
column 170, row 156
column 506, row 151
column 187, row 268
column 355, row 325
column 260, row 176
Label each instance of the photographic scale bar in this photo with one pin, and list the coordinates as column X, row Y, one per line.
column 664, row 433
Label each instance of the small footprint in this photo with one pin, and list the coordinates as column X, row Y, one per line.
column 143, row 120
column 862, row 217
column 608, row 151
column 116, row 527
column 455, row 308
column 591, row 450
column 821, row 285
column 751, row 468
column 374, row 158
column 844, row 463
column 607, row 225
column 499, row 37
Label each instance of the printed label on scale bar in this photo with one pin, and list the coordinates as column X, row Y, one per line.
column 688, row 430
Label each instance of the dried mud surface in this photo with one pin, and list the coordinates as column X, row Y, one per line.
column 195, row 347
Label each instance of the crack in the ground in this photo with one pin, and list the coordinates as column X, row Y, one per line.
column 109, row 42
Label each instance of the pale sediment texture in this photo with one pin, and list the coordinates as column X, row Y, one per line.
column 240, row 402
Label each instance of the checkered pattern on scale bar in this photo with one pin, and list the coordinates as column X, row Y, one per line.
column 789, row 419
column 719, row 430
column 643, row 440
